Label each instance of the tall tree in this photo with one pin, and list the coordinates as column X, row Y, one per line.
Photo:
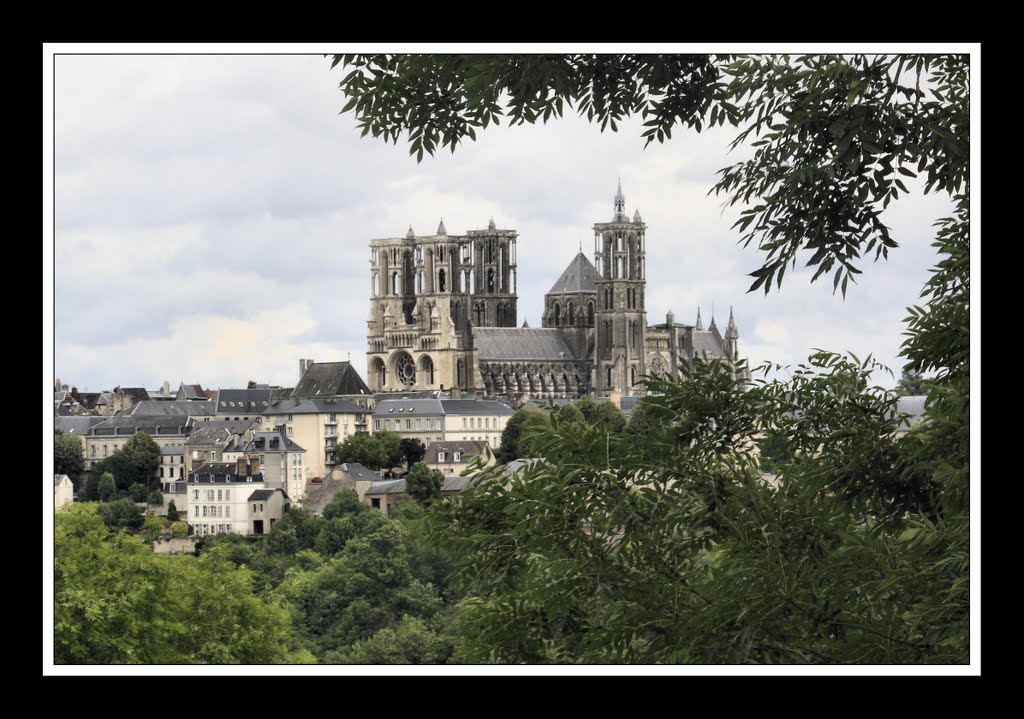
column 423, row 484
column 413, row 450
column 68, row 456
column 135, row 462
column 910, row 383
column 515, row 438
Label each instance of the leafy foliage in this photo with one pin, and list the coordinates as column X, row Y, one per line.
column 172, row 511
column 107, row 487
column 423, row 484
column 137, row 492
column 155, row 497
column 910, row 383
column 116, row 602
column 68, row 456
column 380, row 450
column 122, row 513
column 834, row 135
column 515, row 436
column 135, row 462
column 413, row 450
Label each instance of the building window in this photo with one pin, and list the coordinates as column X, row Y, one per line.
column 254, row 509
column 430, row 424
column 289, row 418
column 457, row 457
column 376, row 425
column 220, row 495
column 263, row 459
column 472, row 422
column 195, row 495
column 213, row 456
column 440, row 456
column 196, row 513
column 227, row 495
column 104, row 450
column 227, row 510
column 334, row 418
column 464, row 421
column 419, row 424
column 161, row 473
column 408, row 425
column 94, row 450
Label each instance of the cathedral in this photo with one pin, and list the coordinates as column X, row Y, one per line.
column 443, row 317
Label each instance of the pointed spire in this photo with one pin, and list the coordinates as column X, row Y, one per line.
column 670, row 317
column 636, row 217
column 440, row 228
column 490, row 225
column 700, row 323
column 712, row 327
column 731, row 332
column 410, row 235
column 620, row 200
column 526, row 325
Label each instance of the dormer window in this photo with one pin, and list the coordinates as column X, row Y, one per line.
column 440, row 456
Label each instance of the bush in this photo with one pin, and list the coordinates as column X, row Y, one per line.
column 155, row 497
column 179, row 530
column 137, row 492
column 172, row 511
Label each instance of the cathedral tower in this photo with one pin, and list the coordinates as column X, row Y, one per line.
column 427, row 294
column 620, row 318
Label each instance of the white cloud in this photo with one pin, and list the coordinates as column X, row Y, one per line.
column 213, row 216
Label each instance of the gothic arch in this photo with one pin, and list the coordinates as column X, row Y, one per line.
column 426, row 370
column 558, row 314
column 571, row 312
column 379, row 371
column 590, row 314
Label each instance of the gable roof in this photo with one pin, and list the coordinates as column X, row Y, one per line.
column 242, row 400
column 138, row 394
column 122, row 425
column 397, row 486
column 77, row 425
column 423, row 407
column 466, row 450
column 192, row 391
column 578, row 276
column 218, row 432
column 294, row 405
column 705, row 344
column 264, row 442
column 322, row 379
column 519, row 343
column 264, row 494
column 174, row 408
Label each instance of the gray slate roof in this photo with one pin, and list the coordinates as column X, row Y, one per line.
column 242, row 400
column 126, row 426
column 218, row 432
column 467, row 450
column 77, row 425
column 192, row 391
column 519, row 344
column 264, row 494
column 314, row 406
column 211, row 472
column 578, row 276
column 705, row 343
column 397, row 486
column 58, row 478
column 161, row 408
column 402, row 407
column 174, row 449
column 322, row 379
column 284, row 443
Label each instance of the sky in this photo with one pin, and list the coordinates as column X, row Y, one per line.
column 212, row 218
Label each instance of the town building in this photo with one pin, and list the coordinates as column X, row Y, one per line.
column 318, row 425
column 281, row 460
column 63, row 490
column 441, row 420
column 223, row 497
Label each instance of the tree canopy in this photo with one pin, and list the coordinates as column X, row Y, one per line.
column 68, row 456
column 423, row 484
column 380, row 450
column 836, row 136
column 667, row 543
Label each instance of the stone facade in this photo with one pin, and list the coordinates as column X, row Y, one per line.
column 443, row 316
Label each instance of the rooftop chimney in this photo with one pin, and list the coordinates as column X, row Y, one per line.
column 254, row 465
column 242, row 466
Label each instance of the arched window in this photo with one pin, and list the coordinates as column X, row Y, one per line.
column 558, row 314
column 440, row 280
column 490, row 280
column 427, row 368
column 394, row 283
column 632, row 376
column 458, row 372
column 380, row 371
column 590, row 314
column 609, row 384
column 572, row 313
column 376, row 284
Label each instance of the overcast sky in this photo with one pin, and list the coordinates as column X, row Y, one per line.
column 213, row 214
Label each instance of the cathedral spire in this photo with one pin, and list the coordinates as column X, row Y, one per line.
column 490, row 225
column 410, row 235
column 620, row 200
column 700, row 323
column 440, row 228
column 731, row 332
